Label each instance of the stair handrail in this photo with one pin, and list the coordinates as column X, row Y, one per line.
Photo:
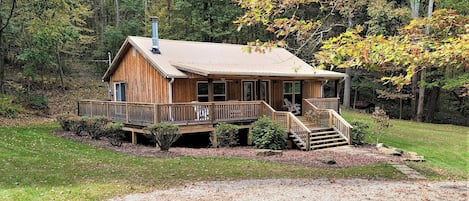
column 336, row 121
column 288, row 127
column 302, row 128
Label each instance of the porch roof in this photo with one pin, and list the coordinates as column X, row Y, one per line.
column 205, row 59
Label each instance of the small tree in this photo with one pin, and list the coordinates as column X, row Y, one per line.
column 358, row 134
column 267, row 134
column 227, row 135
column 165, row 134
column 382, row 121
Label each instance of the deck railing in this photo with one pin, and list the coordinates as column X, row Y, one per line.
column 325, row 103
column 334, row 119
column 144, row 114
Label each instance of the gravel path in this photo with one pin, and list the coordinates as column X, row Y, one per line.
column 301, row 189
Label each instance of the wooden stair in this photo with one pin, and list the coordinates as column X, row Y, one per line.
column 320, row 137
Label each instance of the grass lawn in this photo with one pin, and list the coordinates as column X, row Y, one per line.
column 36, row 165
column 445, row 147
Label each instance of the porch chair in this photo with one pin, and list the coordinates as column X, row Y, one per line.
column 202, row 112
column 293, row 108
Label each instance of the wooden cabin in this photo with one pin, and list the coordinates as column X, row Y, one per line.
column 154, row 80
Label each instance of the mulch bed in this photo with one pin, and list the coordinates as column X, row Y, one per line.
column 344, row 156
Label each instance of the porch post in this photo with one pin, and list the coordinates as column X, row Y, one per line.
column 210, row 89
column 336, row 88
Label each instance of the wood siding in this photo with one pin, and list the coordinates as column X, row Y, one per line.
column 184, row 90
column 277, row 95
column 311, row 89
column 143, row 82
column 233, row 90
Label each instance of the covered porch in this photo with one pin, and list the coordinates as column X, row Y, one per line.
column 193, row 117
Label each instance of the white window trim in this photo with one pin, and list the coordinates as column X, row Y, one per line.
column 115, row 89
column 214, row 95
column 293, row 93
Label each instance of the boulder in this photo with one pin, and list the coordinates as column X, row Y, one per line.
column 414, row 157
column 326, row 160
column 390, row 151
column 268, row 152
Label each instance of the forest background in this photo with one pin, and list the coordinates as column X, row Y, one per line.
column 409, row 57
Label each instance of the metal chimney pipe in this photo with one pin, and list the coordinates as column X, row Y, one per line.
column 155, row 48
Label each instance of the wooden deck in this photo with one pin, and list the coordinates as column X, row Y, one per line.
column 201, row 117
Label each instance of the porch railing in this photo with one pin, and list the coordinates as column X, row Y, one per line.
column 144, row 114
column 325, row 103
column 290, row 122
column 334, row 121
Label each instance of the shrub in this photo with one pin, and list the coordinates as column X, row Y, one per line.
column 8, row 108
column 114, row 133
column 78, row 124
column 66, row 121
column 358, row 133
column 267, row 134
column 38, row 102
column 165, row 134
column 95, row 126
column 227, row 135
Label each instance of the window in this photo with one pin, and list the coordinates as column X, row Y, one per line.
column 292, row 91
column 219, row 91
column 119, row 93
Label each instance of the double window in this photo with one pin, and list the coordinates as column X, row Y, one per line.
column 219, row 91
column 292, row 91
column 119, row 91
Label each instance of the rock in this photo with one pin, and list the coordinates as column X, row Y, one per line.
column 268, row 152
column 414, row 157
column 379, row 145
column 326, row 160
column 390, row 151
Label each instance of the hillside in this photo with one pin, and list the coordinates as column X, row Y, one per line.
column 81, row 82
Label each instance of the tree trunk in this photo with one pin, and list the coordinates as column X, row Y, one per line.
column 347, row 87
column 60, row 69
column 423, row 75
column 117, row 14
column 2, row 62
column 433, row 104
column 415, row 6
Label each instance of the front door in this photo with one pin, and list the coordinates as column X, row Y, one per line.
column 249, row 92
column 256, row 90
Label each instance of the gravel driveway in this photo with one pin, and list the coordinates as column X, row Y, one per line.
column 301, row 189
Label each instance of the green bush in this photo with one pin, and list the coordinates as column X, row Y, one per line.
column 227, row 135
column 8, row 108
column 38, row 102
column 267, row 134
column 66, row 121
column 165, row 134
column 114, row 133
column 358, row 132
column 78, row 124
column 95, row 127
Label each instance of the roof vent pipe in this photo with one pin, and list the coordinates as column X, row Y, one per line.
column 155, row 48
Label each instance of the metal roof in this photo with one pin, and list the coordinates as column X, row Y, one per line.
column 203, row 58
